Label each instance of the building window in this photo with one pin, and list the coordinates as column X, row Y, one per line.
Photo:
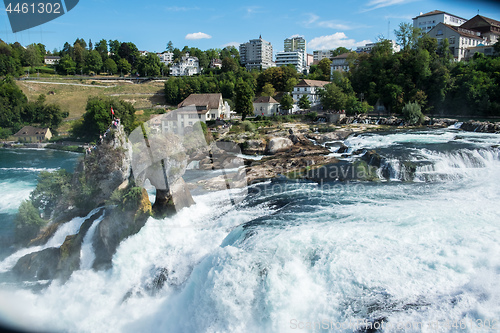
column 452, row 40
column 439, row 33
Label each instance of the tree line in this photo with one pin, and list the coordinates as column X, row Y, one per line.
column 16, row 111
column 106, row 56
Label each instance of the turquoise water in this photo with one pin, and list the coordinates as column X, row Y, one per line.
column 19, row 169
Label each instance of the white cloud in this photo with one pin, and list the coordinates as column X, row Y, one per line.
column 375, row 4
column 331, row 42
column 296, row 35
column 235, row 44
column 198, row 35
column 314, row 20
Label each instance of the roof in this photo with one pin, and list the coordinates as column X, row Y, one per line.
column 488, row 20
column 462, row 32
column 342, row 56
column 31, row 131
column 436, row 12
column 312, row 83
column 52, row 57
column 211, row 101
column 265, row 99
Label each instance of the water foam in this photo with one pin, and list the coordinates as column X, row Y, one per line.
column 66, row 229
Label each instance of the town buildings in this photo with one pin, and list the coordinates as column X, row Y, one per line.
column 33, row 134
column 295, row 58
column 166, row 57
column 257, row 54
column 368, row 47
column 429, row 20
column 187, row 66
column 477, row 34
column 265, row 106
column 310, row 88
column 196, row 107
column 51, row 60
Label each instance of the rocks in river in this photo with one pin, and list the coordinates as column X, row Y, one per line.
column 40, row 265
column 372, row 158
column 480, row 126
column 278, row 144
column 253, row 147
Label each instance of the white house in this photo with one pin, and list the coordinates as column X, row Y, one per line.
column 429, row 20
column 51, row 60
column 309, row 88
column 265, row 106
column 187, row 66
column 166, row 57
column 196, row 107
column 459, row 39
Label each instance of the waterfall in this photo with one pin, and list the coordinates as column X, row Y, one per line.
column 430, row 166
column 87, row 254
column 66, row 229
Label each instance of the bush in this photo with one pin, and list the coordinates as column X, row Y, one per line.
column 312, row 115
column 5, row 133
column 28, row 222
column 248, row 126
column 412, row 113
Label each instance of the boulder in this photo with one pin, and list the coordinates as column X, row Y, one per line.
column 276, row 145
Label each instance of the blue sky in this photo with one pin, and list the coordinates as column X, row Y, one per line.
column 215, row 24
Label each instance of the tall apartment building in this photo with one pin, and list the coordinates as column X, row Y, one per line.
column 319, row 55
column 294, row 44
column 295, row 58
column 429, row 20
column 256, row 54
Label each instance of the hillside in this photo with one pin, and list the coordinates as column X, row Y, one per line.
column 72, row 95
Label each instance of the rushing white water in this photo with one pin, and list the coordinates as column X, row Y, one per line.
column 87, row 255
column 68, row 228
column 13, row 193
column 410, row 253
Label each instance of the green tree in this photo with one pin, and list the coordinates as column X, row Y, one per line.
column 407, row 35
column 66, row 65
column 332, row 97
column 102, row 48
column 33, row 56
column 93, row 62
column 149, row 65
column 124, row 66
column 268, row 90
column 12, row 102
column 243, row 99
column 412, row 113
column 340, row 50
column 28, row 222
column 324, row 66
column 51, row 187
column 304, row 103
column 170, row 46
column 286, row 102
column 97, row 118
column 110, row 67
column 229, row 65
